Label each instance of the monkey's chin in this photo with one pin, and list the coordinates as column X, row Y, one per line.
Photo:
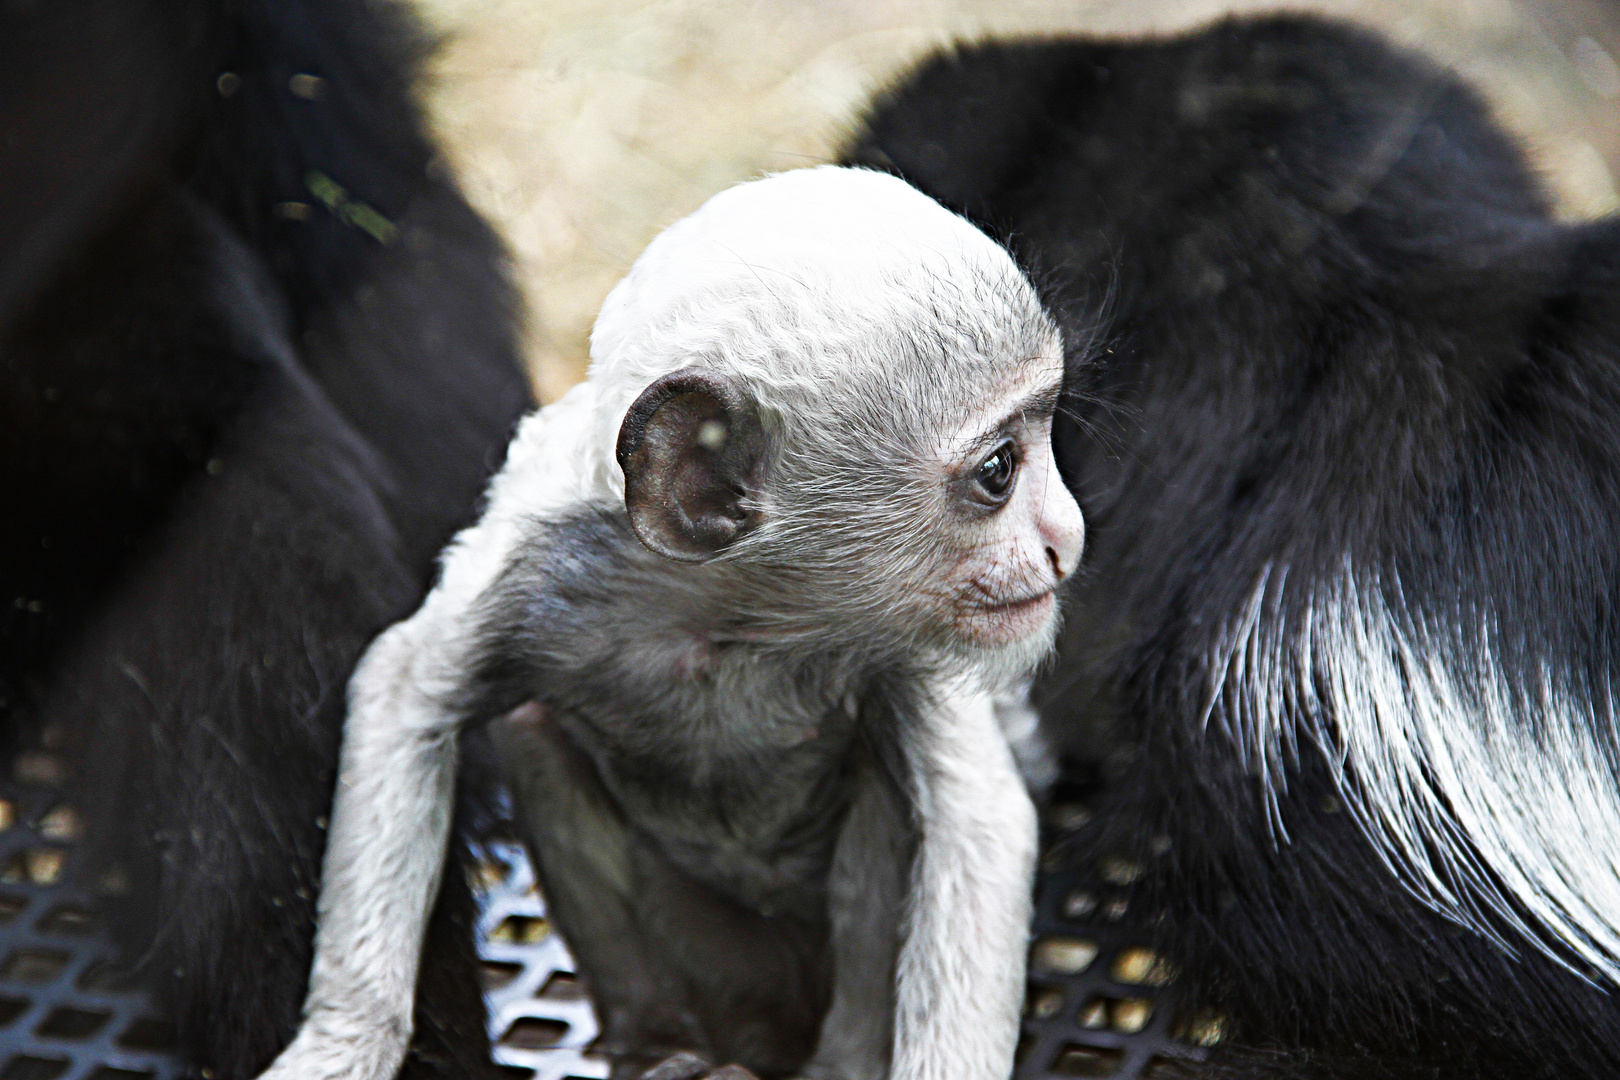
column 1010, row 650
column 1001, row 625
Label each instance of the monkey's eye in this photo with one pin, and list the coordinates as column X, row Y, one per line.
column 994, row 476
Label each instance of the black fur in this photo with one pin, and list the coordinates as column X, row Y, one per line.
column 1339, row 321
column 239, row 415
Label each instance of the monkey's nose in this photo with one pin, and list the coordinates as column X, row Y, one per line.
column 1062, row 527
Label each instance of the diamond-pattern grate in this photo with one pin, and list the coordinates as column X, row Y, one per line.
column 1097, row 1004
column 62, row 1016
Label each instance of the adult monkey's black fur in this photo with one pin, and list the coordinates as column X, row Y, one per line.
column 1342, row 326
column 256, row 362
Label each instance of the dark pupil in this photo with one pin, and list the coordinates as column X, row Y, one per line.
column 995, row 472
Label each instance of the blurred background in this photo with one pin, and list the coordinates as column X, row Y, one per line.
column 583, row 127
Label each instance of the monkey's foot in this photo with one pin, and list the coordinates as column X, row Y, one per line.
column 692, row 1067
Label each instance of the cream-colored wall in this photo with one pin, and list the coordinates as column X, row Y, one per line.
column 583, row 127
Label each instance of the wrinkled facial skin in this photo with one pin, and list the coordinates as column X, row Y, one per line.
column 1018, row 531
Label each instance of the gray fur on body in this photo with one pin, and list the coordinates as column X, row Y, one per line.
column 748, row 780
column 739, row 771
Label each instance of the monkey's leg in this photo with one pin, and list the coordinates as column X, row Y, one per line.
column 866, row 897
column 581, row 846
column 961, row 970
column 672, row 964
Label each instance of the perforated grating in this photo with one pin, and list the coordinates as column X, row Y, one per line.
column 1098, row 1003
column 62, row 1016
column 539, row 1018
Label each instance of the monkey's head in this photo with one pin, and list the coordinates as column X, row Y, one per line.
column 834, row 398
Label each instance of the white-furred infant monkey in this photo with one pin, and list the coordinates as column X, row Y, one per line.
column 746, row 596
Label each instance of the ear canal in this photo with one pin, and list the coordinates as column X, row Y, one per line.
column 693, row 454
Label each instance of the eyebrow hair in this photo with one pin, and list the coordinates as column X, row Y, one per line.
column 1041, row 405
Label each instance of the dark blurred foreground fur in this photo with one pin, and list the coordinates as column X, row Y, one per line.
column 1344, row 646
column 256, row 361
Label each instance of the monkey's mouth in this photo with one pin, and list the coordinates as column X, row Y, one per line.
column 1009, row 620
column 1023, row 604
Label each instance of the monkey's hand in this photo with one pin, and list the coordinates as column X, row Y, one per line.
column 692, row 1067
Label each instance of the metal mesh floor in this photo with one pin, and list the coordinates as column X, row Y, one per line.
column 62, row 1017
column 1099, row 1000
column 1097, row 1004
column 540, row 1021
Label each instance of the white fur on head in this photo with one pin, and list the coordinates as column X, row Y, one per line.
column 804, row 277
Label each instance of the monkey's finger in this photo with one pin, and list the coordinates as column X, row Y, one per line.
column 681, row 1066
column 533, row 714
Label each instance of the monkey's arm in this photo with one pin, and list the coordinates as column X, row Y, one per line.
column 960, row 981
column 391, row 811
column 389, row 824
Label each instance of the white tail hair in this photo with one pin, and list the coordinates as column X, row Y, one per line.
column 1493, row 797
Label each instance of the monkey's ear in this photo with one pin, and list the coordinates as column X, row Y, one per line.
column 693, row 453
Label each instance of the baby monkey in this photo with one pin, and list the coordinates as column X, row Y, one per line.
column 745, row 600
